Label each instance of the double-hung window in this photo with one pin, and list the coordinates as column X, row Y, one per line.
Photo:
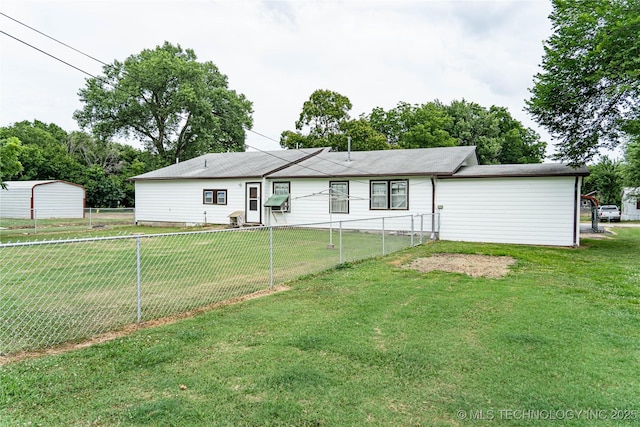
column 282, row 189
column 339, row 197
column 214, row 197
column 391, row 194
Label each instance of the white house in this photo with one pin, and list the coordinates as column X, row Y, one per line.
column 630, row 204
column 531, row 204
column 42, row 199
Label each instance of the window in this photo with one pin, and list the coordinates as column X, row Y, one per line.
column 282, row 189
column 214, row 197
column 389, row 195
column 339, row 197
column 637, row 203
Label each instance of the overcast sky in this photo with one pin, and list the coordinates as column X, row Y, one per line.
column 375, row 52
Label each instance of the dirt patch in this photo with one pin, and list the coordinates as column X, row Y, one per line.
column 469, row 264
column 108, row 336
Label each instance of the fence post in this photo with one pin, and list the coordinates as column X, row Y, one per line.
column 271, row 257
column 421, row 228
column 138, row 281
column 383, row 251
column 340, row 223
column 411, row 230
column 90, row 218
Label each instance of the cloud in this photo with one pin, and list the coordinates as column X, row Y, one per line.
column 375, row 52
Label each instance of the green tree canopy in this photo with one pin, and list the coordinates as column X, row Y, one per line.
column 631, row 166
column 413, row 126
column 323, row 114
column 9, row 164
column 605, row 178
column 588, row 92
column 499, row 137
column 179, row 107
column 44, row 153
column 321, row 122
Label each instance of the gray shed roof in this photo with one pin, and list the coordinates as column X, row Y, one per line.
column 250, row 164
column 529, row 169
column 421, row 161
column 20, row 185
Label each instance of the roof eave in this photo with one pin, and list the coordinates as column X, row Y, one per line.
column 515, row 175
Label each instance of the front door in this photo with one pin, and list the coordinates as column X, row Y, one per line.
column 253, row 211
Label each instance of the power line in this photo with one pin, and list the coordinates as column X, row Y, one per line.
column 117, row 88
column 52, row 38
column 48, row 54
column 135, row 95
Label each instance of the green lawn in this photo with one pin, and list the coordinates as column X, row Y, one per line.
column 97, row 220
column 56, row 293
column 373, row 344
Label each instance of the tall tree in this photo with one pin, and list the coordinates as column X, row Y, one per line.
column 606, row 178
column 475, row 125
column 321, row 121
column 323, row 113
column 91, row 152
column 9, row 163
column 44, row 153
column 517, row 143
column 363, row 137
column 631, row 166
column 179, row 107
column 588, row 93
column 414, row 126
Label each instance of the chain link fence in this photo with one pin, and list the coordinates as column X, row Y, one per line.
column 33, row 221
column 54, row 292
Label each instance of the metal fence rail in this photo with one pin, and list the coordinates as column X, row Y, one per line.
column 53, row 292
column 32, row 221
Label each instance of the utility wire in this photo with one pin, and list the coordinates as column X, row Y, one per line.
column 130, row 94
column 48, row 54
column 52, row 38
column 133, row 95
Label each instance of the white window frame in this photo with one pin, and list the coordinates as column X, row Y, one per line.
column 339, row 199
column 391, row 194
column 214, row 197
column 282, row 188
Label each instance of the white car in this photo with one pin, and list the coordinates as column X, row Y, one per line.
column 609, row 213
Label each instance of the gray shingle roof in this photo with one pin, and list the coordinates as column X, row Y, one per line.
column 530, row 169
column 454, row 162
column 250, row 164
column 425, row 161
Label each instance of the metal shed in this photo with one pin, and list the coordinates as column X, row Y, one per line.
column 42, row 199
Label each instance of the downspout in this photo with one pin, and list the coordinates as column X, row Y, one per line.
column 433, row 209
column 263, row 209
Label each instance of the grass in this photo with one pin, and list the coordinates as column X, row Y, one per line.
column 55, row 293
column 371, row 343
column 99, row 220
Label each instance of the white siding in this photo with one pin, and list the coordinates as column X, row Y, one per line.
column 181, row 201
column 58, row 200
column 15, row 202
column 309, row 202
column 509, row 210
column 630, row 211
column 520, row 210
